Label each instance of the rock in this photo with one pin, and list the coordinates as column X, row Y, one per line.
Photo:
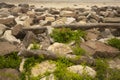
column 24, row 5
column 114, row 64
column 4, row 12
column 50, row 77
column 9, row 74
column 60, row 49
column 70, row 20
column 15, row 11
column 106, row 34
column 10, row 22
column 31, row 14
column 29, row 38
column 2, row 29
column 92, row 35
column 18, row 32
column 63, row 20
column 40, row 9
column 43, row 22
column 82, row 70
column 8, row 36
column 94, row 16
column 42, row 68
column 51, row 19
column 7, row 48
column 21, row 68
column 5, row 5
column 54, row 11
column 67, row 14
column 98, row 49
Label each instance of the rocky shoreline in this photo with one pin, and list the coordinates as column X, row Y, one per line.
column 35, row 34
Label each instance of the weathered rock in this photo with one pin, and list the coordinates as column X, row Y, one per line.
column 9, row 74
column 42, row 68
column 7, row 48
column 114, row 64
column 60, row 49
column 82, row 70
column 67, row 14
column 21, row 68
column 5, row 5
column 51, row 19
column 8, row 36
column 18, row 32
column 91, row 35
column 50, row 77
column 40, row 9
column 4, row 12
column 29, row 38
column 24, row 5
column 31, row 14
column 2, row 29
column 98, row 49
column 10, row 22
column 54, row 11
column 15, row 11
column 106, row 34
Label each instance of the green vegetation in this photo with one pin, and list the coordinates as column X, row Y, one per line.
column 65, row 35
column 114, row 42
column 77, row 50
column 101, row 68
column 35, row 46
column 10, row 61
column 62, row 73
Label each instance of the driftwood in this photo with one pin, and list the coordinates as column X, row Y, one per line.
column 112, row 20
column 88, row 25
column 52, row 56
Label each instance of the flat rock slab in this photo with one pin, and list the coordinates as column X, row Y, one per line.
column 99, row 49
column 7, row 48
column 9, row 74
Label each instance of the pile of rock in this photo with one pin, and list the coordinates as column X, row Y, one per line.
column 23, row 25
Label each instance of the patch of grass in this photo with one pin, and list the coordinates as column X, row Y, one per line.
column 114, row 42
column 61, row 73
column 101, row 68
column 10, row 61
column 65, row 35
column 29, row 63
column 77, row 50
column 113, row 74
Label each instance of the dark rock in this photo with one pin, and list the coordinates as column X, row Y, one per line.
column 9, row 74
column 24, row 5
column 98, row 49
column 7, row 48
column 29, row 38
column 18, row 32
column 40, row 9
column 5, row 5
column 10, row 22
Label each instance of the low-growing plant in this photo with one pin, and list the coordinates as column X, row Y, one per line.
column 10, row 61
column 35, row 46
column 101, row 68
column 114, row 42
column 61, row 73
column 65, row 35
column 77, row 50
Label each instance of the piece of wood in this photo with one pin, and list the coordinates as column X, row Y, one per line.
column 52, row 56
column 111, row 20
column 88, row 25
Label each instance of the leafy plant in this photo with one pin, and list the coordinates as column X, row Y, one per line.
column 10, row 61
column 65, row 35
column 114, row 42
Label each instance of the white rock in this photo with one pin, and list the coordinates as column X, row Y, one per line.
column 50, row 77
column 82, row 70
column 43, row 67
column 21, row 68
column 8, row 36
column 60, row 49
column 69, row 20
column 2, row 29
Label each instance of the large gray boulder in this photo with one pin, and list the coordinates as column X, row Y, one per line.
column 99, row 49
